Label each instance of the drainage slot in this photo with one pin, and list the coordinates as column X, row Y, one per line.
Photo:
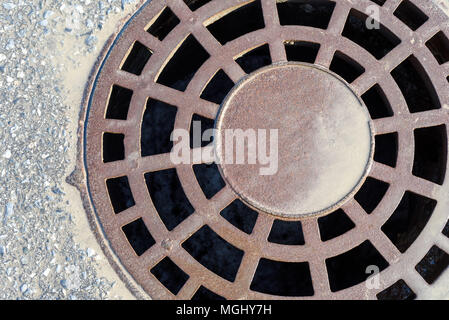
column 217, row 88
column 334, row 225
column 377, row 103
column 255, row 59
column 243, row 20
column 209, row 179
column 137, row 59
column 398, row 291
column 316, row 14
column 165, row 23
column 446, row 230
column 200, row 124
column 408, row 220
column 409, row 14
column 349, row 268
column 170, row 275
column 290, row 279
column 286, row 232
column 138, row 236
column 177, row 74
column 214, row 253
column 431, row 153
column 378, row 42
column 345, row 67
column 439, row 46
column 433, row 264
column 195, row 4
column 240, row 216
column 371, row 193
column 204, row 294
column 119, row 101
column 120, row 194
column 301, row 51
column 157, row 125
column 416, row 86
column 379, row 2
column 386, row 149
column 113, row 147
column 168, row 197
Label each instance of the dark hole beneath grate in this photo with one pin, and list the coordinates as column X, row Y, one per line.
column 379, row 42
column 291, row 279
column 170, row 275
column 386, row 149
column 433, row 264
column 137, row 59
column 218, row 87
column 409, row 14
column 195, row 4
column 345, row 67
column 157, row 126
column 446, row 230
column 350, row 268
column 138, row 236
column 408, row 220
column 334, row 225
column 119, row 101
column 240, row 216
column 242, row 20
column 177, row 74
column 398, row 291
column 316, row 14
column 165, row 23
column 204, row 294
column 287, row 233
column 439, row 46
column 209, row 179
column 168, row 197
column 416, row 86
column 214, row 253
column 431, row 153
column 301, row 51
column 120, row 193
column 379, row 2
column 371, row 193
column 113, row 147
column 377, row 103
column 255, row 59
column 201, row 124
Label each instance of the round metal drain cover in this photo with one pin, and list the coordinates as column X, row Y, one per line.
column 358, row 91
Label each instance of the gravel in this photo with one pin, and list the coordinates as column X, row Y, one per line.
column 39, row 258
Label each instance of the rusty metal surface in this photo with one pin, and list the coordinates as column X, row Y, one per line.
column 255, row 245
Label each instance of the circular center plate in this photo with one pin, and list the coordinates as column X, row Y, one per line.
column 294, row 140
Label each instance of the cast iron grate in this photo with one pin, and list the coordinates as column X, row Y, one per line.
column 181, row 232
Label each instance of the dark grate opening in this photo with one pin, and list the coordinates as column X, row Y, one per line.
column 439, row 46
column 316, row 14
column 113, row 147
column 291, row 279
column 433, row 264
column 386, row 149
column 138, row 236
column 350, row 268
column 301, row 51
column 165, row 23
column 379, row 2
column 177, row 74
column 431, row 153
column 204, row 294
column 214, row 253
column 209, row 179
column 255, row 59
column 287, row 233
column 157, row 126
column 416, row 86
column 334, row 225
column 378, row 42
column 345, row 67
column 446, row 230
column 377, row 103
column 408, row 220
column 120, row 194
column 371, row 193
column 170, row 275
column 137, row 59
column 119, row 101
column 242, row 20
column 195, row 4
column 218, row 87
column 240, row 216
column 408, row 13
column 398, row 291
column 168, row 197
column 203, row 124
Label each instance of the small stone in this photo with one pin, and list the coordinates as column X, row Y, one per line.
column 90, row 252
column 7, row 154
column 64, row 283
column 91, row 40
column 9, row 6
column 46, row 272
column 23, row 288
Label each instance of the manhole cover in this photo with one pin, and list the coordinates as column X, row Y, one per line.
column 359, row 93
